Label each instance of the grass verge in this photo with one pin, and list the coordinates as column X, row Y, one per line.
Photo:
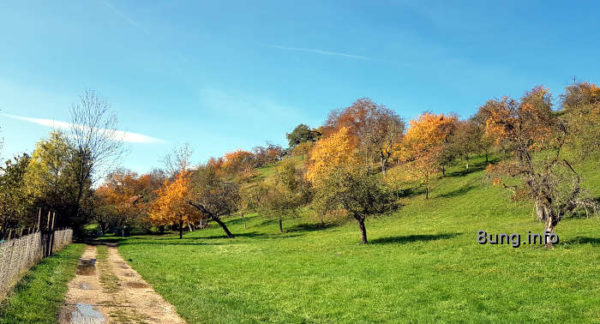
column 38, row 297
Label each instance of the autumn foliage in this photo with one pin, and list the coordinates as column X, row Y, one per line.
column 172, row 203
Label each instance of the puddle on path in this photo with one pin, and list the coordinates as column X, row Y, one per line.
column 85, row 313
column 86, row 267
column 85, row 286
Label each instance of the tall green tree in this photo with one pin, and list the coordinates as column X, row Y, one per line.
column 15, row 201
column 302, row 133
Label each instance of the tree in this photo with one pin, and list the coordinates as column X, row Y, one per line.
column 465, row 140
column 385, row 129
column 485, row 142
column 122, row 200
column 172, row 204
column 302, row 133
column 581, row 108
column 96, row 142
column 536, row 137
column 373, row 129
column 285, row 193
column 178, row 160
column 15, row 201
column 51, row 179
column 303, row 149
column 354, row 191
column 267, row 154
column 251, row 195
column 424, row 145
column 237, row 161
column 330, row 153
column 213, row 196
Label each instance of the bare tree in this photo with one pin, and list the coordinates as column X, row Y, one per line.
column 96, row 141
column 178, row 160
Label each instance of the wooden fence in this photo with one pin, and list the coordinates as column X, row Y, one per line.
column 17, row 255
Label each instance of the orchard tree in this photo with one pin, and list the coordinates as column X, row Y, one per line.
column 251, row 196
column 424, row 145
column 301, row 134
column 581, row 107
column 373, row 129
column 212, row 196
column 465, row 140
column 303, row 150
column 237, row 161
column 484, row 142
column 172, row 204
column 122, row 200
column 285, row 192
column 353, row 190
column 536, row 137
column 385, row 130
column 330, row 153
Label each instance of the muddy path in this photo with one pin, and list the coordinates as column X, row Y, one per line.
column 107, row 290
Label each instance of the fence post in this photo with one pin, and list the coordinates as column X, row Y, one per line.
column 52, row 233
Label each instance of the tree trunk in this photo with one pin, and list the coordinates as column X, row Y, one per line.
column 213, row 217
column 467, row 163
column 383, row 166
column 280, row 225
column 190, row 227
column 427, row 192
column 443, row 170
column 244, row 220
column 486, row 157
column 220, row 222
column 549, row 227
column 363, row 230
column 180, row 226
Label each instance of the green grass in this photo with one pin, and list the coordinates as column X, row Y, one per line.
column 423, row 264
column 38, row 297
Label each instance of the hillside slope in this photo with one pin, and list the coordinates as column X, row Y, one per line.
column 423, row 264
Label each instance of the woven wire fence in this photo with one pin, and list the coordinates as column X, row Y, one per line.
column 20, row 254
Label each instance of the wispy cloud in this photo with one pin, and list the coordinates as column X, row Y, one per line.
column 117, row 135
column 322, row 52
column 125, row 17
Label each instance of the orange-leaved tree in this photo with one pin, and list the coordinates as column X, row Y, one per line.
column 424, row 144
column 237, row 161
column 120, row 200
column 172, row 207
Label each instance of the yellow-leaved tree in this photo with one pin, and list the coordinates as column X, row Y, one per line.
column 331, row 153
column 424, row 144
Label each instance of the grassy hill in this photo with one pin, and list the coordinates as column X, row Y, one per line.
column 423, row 264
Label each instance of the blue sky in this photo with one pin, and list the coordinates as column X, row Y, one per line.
column 223, row 75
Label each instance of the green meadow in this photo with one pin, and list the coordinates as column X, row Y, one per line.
column 422, row 263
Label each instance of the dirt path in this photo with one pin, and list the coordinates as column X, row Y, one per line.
column 107, row 290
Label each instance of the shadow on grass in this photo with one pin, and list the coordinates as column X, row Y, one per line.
column 309, row 227
column 458, row 192
column 583, row 240
column 478, row 166
column 413, row 238
column 410, row 192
